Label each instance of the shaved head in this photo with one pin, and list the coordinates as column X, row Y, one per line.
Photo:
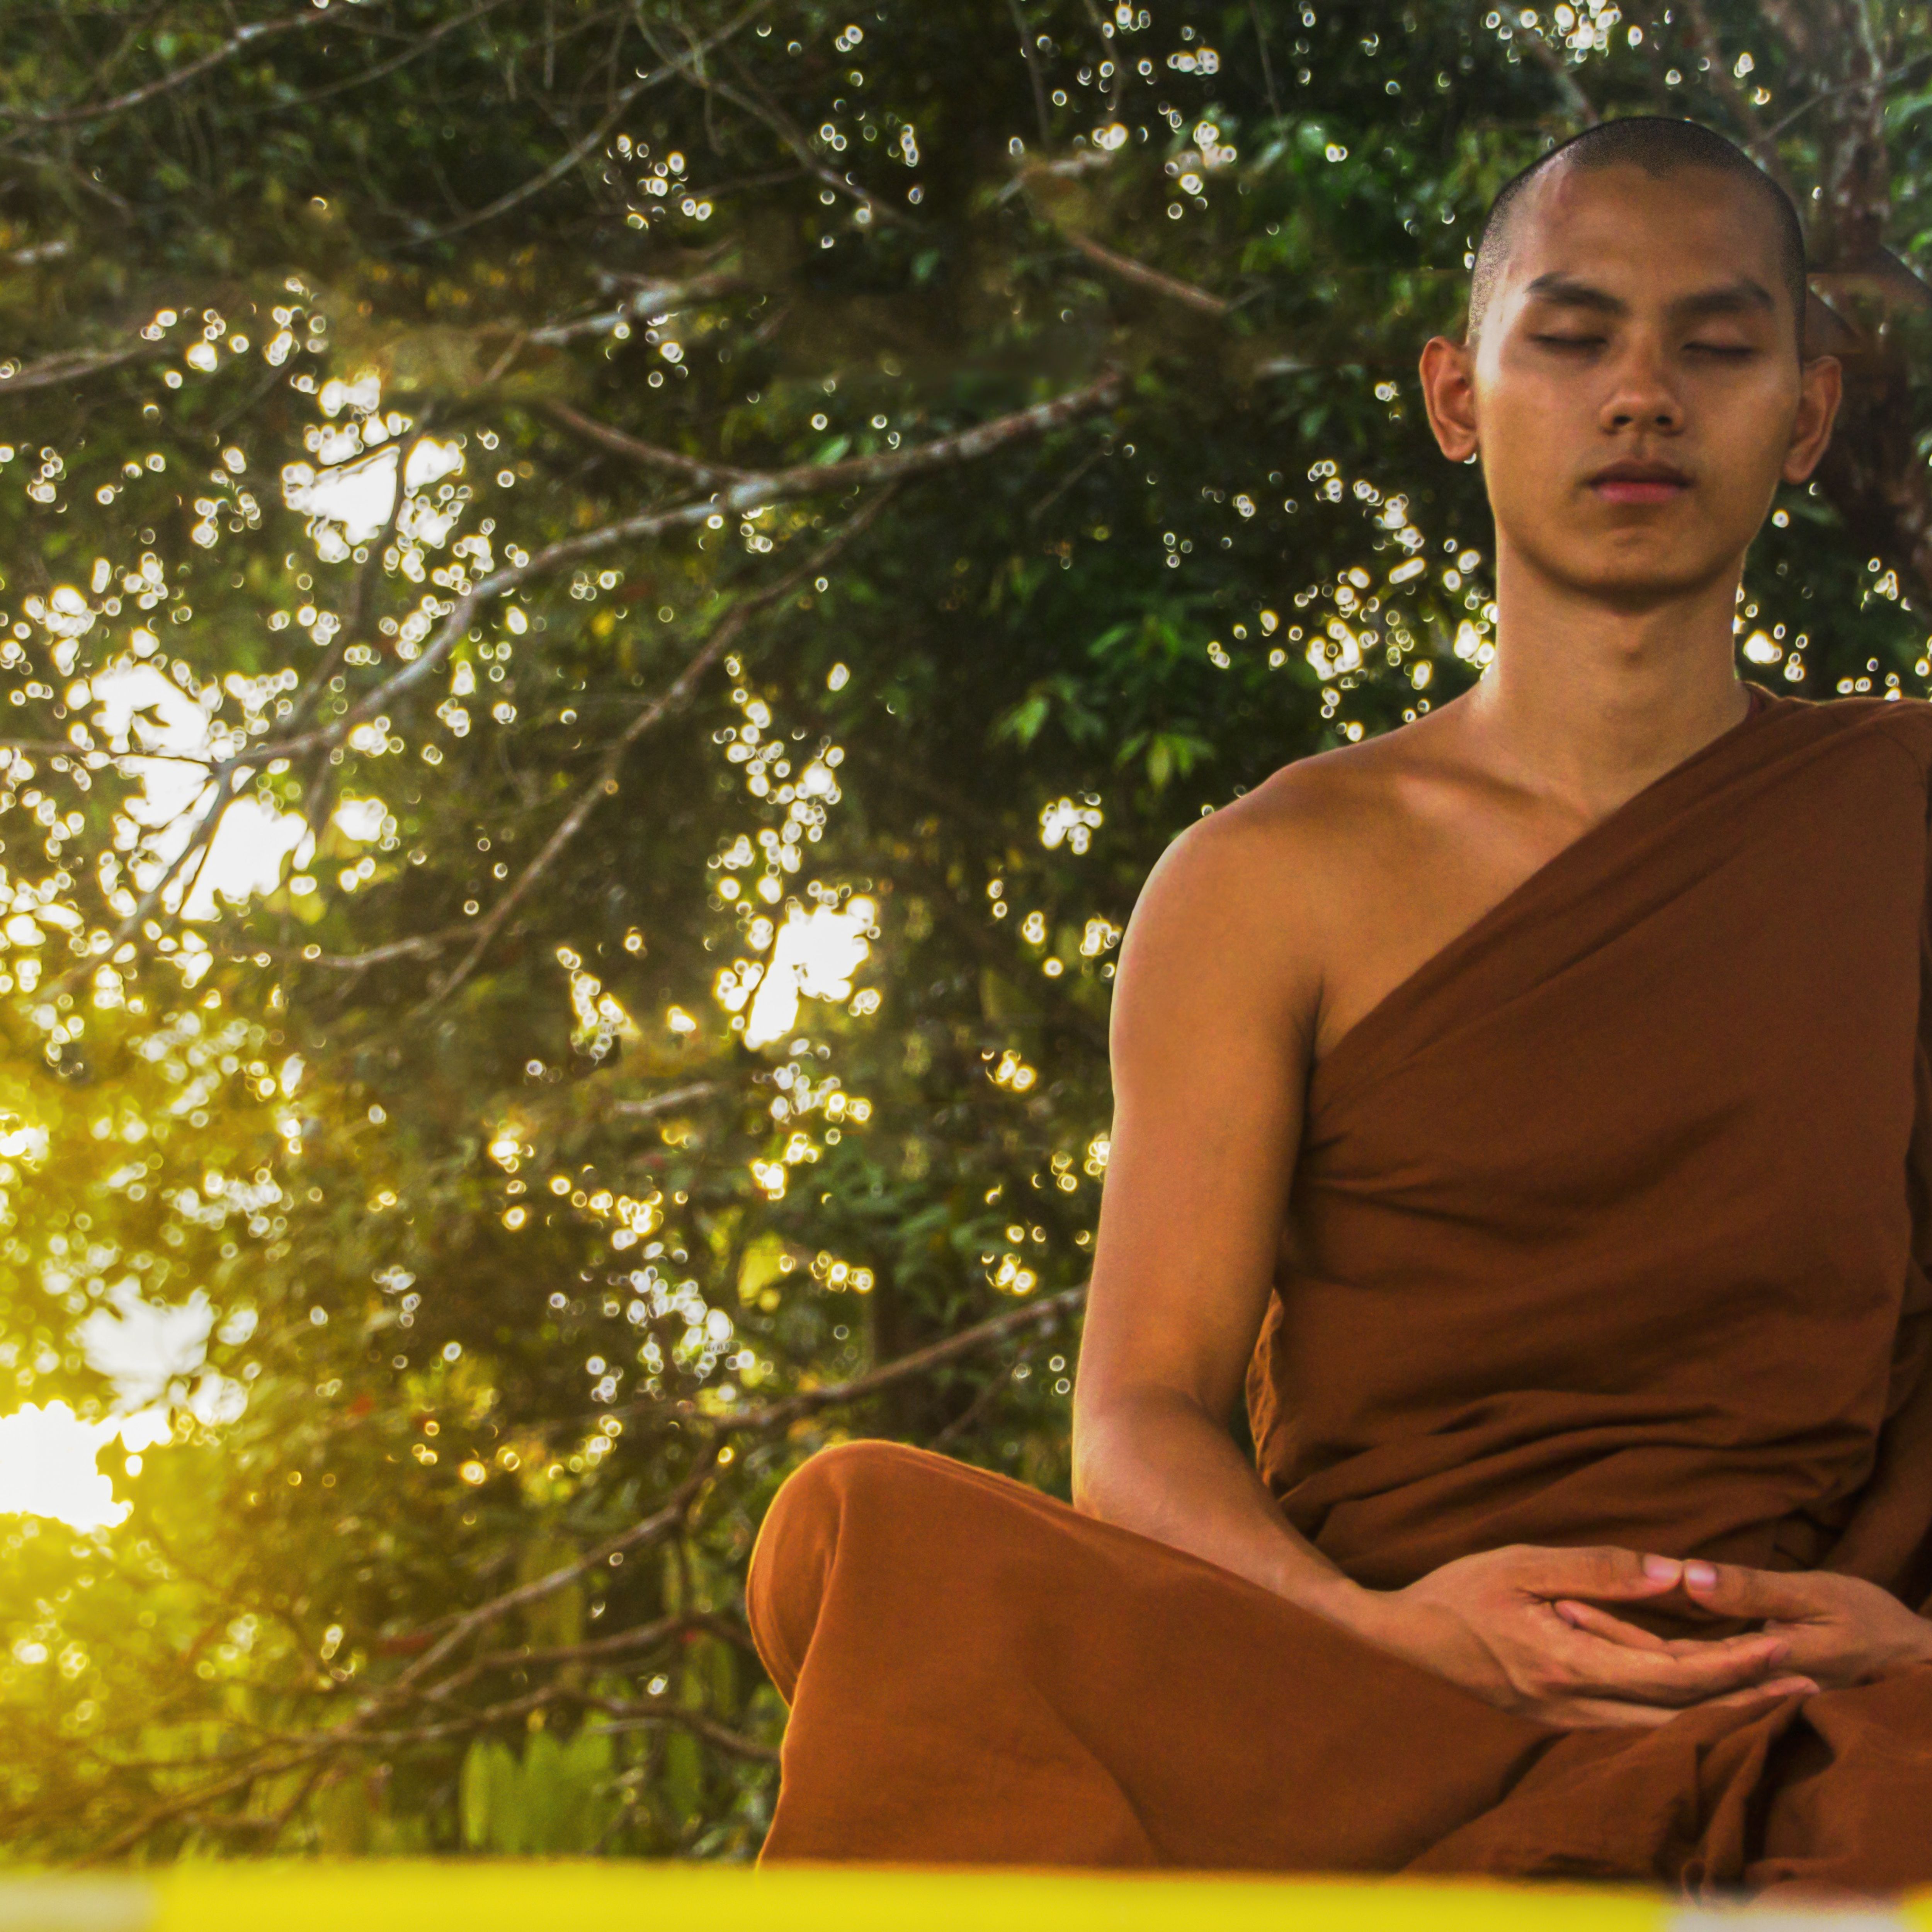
column 1660, row 147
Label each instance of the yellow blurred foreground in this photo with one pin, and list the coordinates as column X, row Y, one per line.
column 536, row 1896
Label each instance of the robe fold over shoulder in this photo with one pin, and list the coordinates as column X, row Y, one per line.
column 1611, row 1224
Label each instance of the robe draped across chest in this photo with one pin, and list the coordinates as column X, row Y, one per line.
column 1610, row 1224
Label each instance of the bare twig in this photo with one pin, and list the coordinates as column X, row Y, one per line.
column 1101, row 33
column 419, row 45
column 356, row 620
column 74, row 364
column 575, row 153
column 1704, row 37
column 96, row 756
column 699, row 475
column 755, row 492
column 420, row 946
column 643, row 1637
column 1267, row 68
column 650, row 298
column 757, row 103
column 1138, row 273
column 1553, row 64
column 251, row 35
column 199, row 842
column 82, row 178
column 630, row 1714
column 1042, row 1313
column 718, row 1736
column 973, row 1411
column 260, row 1766
column 1764, row 142
column 1031, row 57
column 672, row 698
column 1066, row 482
column 653, row 1528
column 662, row 1103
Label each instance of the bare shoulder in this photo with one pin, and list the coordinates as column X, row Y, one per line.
column 1282, row 848
column 1240, row 915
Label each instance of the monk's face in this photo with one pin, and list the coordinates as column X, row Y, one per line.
column 1636, row 395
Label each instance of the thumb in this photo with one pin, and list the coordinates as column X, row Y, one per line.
column 1732, row 1589
column 1604, row 1573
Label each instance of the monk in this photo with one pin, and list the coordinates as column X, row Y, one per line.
column 1532, row 1107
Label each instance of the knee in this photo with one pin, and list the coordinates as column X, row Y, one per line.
column 826, row 1492
column 799, row 1541
column 853, row 1476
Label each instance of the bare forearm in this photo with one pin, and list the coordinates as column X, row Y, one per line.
column 1155, row 1463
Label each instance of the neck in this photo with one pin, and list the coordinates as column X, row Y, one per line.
column 1587, row 702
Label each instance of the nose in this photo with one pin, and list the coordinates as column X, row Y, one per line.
column 1641, row 395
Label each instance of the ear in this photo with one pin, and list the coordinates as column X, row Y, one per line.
column 1449, row 396
column 1822, row 386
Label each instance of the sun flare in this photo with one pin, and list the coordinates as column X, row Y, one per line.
column 47, row 1468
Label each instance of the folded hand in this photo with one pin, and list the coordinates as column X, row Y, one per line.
column 1836, row 1630
column 1513, row 1626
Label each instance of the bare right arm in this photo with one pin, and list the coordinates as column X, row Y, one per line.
column 1212, row 1018
column 1216, row 1002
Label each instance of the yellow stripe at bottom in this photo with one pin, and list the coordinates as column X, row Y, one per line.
column 530, row 1895
column 612, row 1896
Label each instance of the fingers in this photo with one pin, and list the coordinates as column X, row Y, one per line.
column 1730, row 1589
column 1605, row 1714
column 1612, row 1629
column 1598, row 1667
column 1817, row 1653
column 1778, row 1687
column 1602, row 1572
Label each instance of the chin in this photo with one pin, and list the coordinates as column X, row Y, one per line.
column 1640, row 576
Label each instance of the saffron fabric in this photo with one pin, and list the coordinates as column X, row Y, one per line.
column 1611, row 1224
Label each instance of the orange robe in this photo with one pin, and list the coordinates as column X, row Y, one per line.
column 1610, row 1225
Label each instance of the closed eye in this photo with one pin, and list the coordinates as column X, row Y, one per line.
column 1569, row 341
column 1727, row 352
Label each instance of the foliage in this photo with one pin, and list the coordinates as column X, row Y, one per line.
column 513, row 1279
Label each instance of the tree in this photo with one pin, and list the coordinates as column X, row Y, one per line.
column 709, row 547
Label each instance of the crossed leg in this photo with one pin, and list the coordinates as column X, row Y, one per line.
column 978, row 1674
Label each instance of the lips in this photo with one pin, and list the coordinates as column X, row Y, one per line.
column 1634, row 481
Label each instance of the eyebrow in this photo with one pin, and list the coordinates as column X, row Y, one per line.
column 1744, row 295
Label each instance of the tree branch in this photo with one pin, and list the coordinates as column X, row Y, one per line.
column 572, row 155
column 756, row 492
column 419, row 946
column 74, row 364
column 253, row 35
column 1267, row 68
column 662, row 1103
column 415, row 50
column 761, row 107
column 1142, row 276
column 1554, row 64
column 672, row 698
column 699, row 475
column 200, row 841
column 98, row 756
column 644, row 1636
column 650, row 298
column 1031, row 58
column 1042, row 1313
column 358, row 1733
column 1704, row 38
